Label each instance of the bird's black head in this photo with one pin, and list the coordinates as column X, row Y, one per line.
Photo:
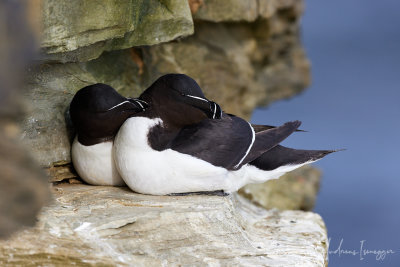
column 179, row 97
column 98, row 111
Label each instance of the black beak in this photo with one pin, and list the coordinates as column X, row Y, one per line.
column 216, row 111
column 210, row 108
column 139, row 104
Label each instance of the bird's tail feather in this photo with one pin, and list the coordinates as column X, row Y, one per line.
column 259, row 128
column 284, row 156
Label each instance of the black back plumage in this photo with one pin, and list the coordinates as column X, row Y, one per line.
column 222, row 142
column 226, row 140
column 268, row 139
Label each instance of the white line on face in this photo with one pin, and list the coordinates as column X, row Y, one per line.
column 141, row 101
column 126, row 101
column 140, row 104
column 215, row 110
column 137, row 101
column 196, row 97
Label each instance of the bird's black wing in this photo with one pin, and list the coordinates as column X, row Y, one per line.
column 259, row 128
column 268, row 139
column 223, row 142
column 283, row 156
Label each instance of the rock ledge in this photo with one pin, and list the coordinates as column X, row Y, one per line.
column 89, row 225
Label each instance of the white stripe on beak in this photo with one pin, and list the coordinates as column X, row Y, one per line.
column 126, row 101
column 215, row 110
column 140, row 104
column 196, row 97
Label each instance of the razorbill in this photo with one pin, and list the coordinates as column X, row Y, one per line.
column 185, row 143
column 97, row 111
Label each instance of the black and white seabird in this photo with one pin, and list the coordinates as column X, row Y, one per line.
column 185, row 143
column 97, row 112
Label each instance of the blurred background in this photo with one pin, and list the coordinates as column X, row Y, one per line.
column 244, row 54
column 353, row 103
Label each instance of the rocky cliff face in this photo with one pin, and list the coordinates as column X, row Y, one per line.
column 23, row 185
column 244, row 54
column 78, row 31
column 109, row 226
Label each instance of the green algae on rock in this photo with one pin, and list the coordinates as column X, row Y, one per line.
column 81, row 30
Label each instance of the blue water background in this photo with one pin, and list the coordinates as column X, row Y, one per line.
column 353, row 103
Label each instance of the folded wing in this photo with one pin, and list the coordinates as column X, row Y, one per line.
column 259, row 128
column 268, row 139
column 229, row 142
column 284, row 156
column 223, row 142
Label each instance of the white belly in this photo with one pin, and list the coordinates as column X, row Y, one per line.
column 149, row 171
column 95, row 164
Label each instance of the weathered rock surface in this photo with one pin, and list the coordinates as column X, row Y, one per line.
column 23, row 185
column 47, row 129
column 239, row 65
column 252, row 57
column 82, row 30
column 114, row 226
column 296, row 190
column 238, row 10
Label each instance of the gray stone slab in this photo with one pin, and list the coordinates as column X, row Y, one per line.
column 114, row 226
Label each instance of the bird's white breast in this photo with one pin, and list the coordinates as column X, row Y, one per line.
column 148, row 171
column 95, row 164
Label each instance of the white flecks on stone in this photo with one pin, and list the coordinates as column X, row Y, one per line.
column 82, row 227
column 119, row 227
